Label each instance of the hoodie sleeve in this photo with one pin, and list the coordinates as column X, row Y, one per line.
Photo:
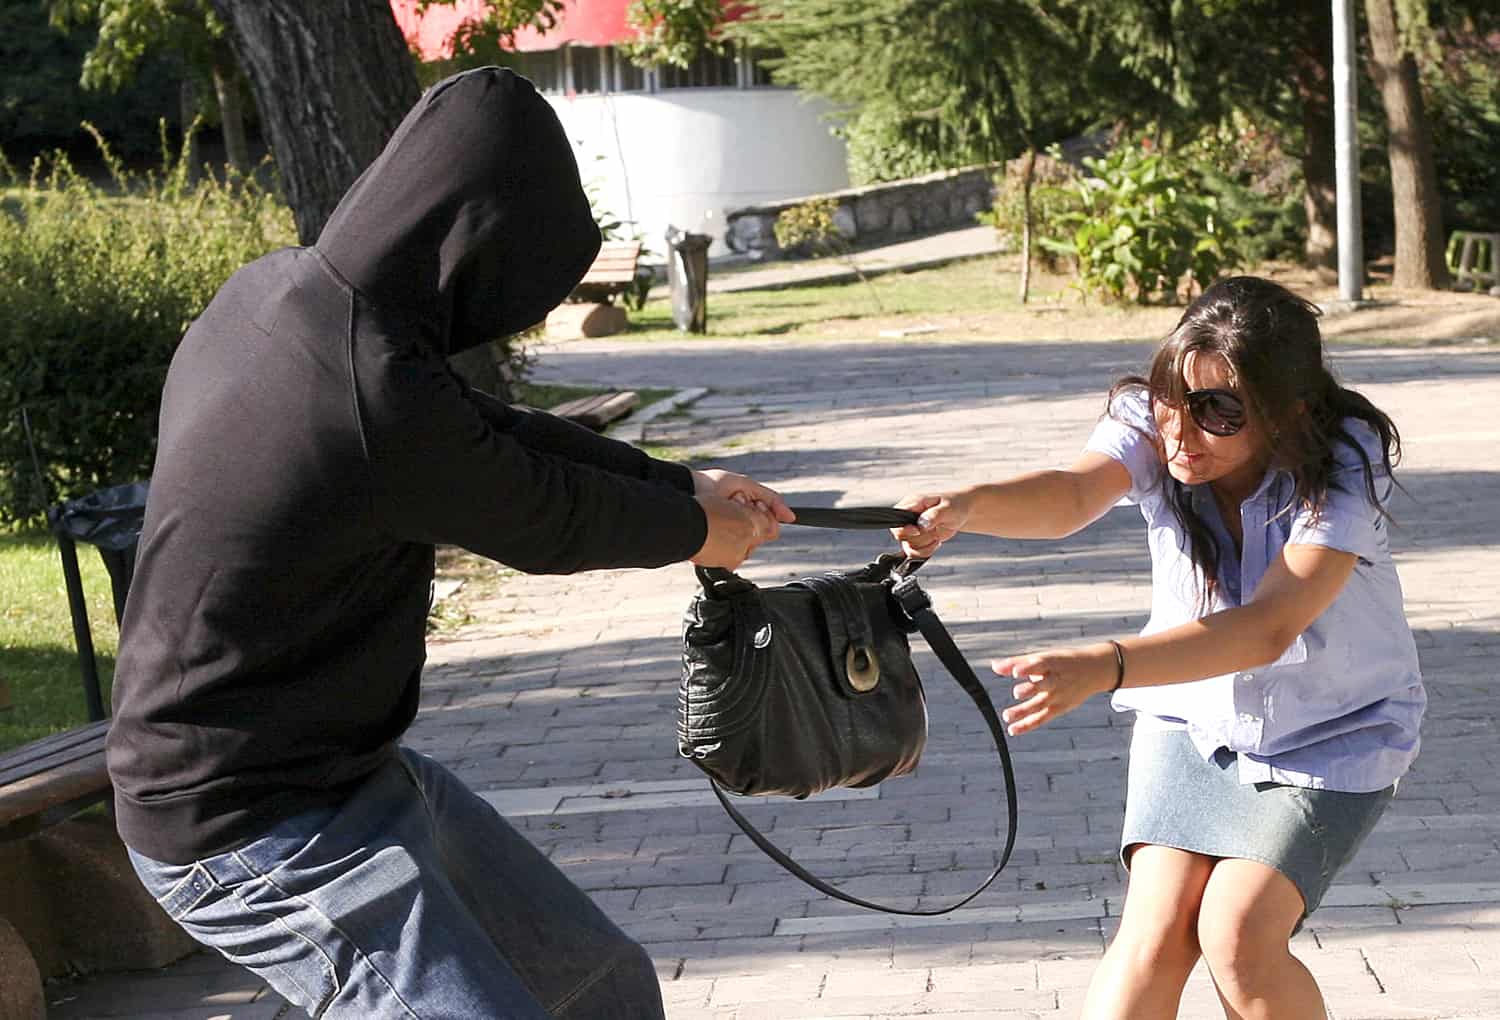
column 546, row 433
column 441, row 472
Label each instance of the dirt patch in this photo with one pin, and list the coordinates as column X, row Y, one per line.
column 1388, row 315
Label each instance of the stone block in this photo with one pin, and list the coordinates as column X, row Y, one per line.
column 71, row 894
column 845, row 222
column 108, row 919
column 580, row 320
column 871, row 214
column 20, row 982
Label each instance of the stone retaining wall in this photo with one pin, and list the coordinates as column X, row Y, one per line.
column 877, row 213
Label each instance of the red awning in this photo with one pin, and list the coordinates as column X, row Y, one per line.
column 582, row 23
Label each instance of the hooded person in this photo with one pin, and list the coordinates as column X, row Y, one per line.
column 314, row 447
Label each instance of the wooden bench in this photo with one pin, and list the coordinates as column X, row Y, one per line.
column 50, row 780
column 592, row 309
column 598, row 410
column 69, row 899
column 1474, row 258
column 612, row 274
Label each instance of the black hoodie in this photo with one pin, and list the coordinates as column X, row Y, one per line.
column 314, row 446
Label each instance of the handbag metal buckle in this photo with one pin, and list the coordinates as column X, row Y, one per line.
column 910, row 597
column 862, row 668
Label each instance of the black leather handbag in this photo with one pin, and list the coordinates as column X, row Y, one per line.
column 810, row 685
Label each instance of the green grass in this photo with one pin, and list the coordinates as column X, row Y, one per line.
column 973, row 285
column 38, row 661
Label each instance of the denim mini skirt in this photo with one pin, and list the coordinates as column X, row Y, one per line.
column 1175, row 798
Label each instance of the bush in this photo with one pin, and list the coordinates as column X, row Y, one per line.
column 885, row 143
column 1259, row 186
column 1145, row 225
column 808, row 228
column 1054, row 198
column 100, row 284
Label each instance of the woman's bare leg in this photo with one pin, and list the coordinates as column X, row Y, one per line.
column 1147, row 964
column 1245, row 922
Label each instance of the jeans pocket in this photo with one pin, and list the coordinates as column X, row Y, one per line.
column 194, row 887
column 252, row 923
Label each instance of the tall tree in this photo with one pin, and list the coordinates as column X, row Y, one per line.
column 332, row 80
column 950, row 81
column 962, row 80
column 1312, row 60
column 1195, row 55
column 130, row 29
column 1418, row 208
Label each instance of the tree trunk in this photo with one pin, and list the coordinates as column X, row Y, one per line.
column 1418, row 212
column 1311, row 65
column 332, row 80
column 231, row 110
column 1028, row 171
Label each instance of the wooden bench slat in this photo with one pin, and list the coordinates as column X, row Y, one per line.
column 623, row 276
column 36, row 794
column 58, row 746
column 614, row 267
column 598, row 410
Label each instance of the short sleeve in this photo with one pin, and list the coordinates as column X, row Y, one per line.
column 1127, row 433
column 1347, row 520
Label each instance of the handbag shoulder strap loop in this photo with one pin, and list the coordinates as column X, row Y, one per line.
column 851, row 642
column 915, row 603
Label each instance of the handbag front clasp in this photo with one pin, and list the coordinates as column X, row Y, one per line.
column 862, row 667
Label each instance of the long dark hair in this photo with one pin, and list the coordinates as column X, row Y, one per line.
column 1268, row 337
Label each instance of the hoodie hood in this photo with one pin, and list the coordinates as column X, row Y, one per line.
column 472, row 223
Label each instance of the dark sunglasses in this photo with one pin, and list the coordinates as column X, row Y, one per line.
column 1217, row 412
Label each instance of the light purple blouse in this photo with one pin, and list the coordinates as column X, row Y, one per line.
column 1341, row 709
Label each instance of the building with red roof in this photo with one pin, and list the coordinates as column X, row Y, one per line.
column 669, row 146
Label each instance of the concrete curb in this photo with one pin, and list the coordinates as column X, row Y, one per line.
column 633, row 430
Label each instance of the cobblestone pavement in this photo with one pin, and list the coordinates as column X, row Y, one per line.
column 559, row 705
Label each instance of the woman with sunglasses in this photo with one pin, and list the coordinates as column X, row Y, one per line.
column 1276, row 690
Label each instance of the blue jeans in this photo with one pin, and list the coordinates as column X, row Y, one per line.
column 412, row 899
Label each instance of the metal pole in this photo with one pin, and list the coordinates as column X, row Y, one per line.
column 1346, row 153
column 82, row 637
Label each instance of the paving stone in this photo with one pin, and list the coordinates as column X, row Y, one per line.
column 560, row 707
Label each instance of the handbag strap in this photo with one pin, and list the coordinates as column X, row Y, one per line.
column 853, row 518
column 720, row 583
column 914, row 601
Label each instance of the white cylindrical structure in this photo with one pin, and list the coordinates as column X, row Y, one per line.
column 682, row 156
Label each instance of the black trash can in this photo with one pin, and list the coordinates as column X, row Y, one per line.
column 110, row 520
column 687, row 279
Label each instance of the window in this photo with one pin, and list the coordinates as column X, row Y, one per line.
column 587, row 68
column 711, row 69
column 544, row 68
column 760, row 75
column 626, row 76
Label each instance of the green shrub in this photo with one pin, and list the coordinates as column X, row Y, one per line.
column 99, row 284
column 808, row 228
column 886, row 143
column 1054, row 198
column 1144, row 226
column 1259, row 186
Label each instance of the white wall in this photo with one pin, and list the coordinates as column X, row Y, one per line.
column 684, row 156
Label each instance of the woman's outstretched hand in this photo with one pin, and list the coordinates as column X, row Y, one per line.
column 942, row 516
column 1052, row 684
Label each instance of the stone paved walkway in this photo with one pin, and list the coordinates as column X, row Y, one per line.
column 560, row 706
